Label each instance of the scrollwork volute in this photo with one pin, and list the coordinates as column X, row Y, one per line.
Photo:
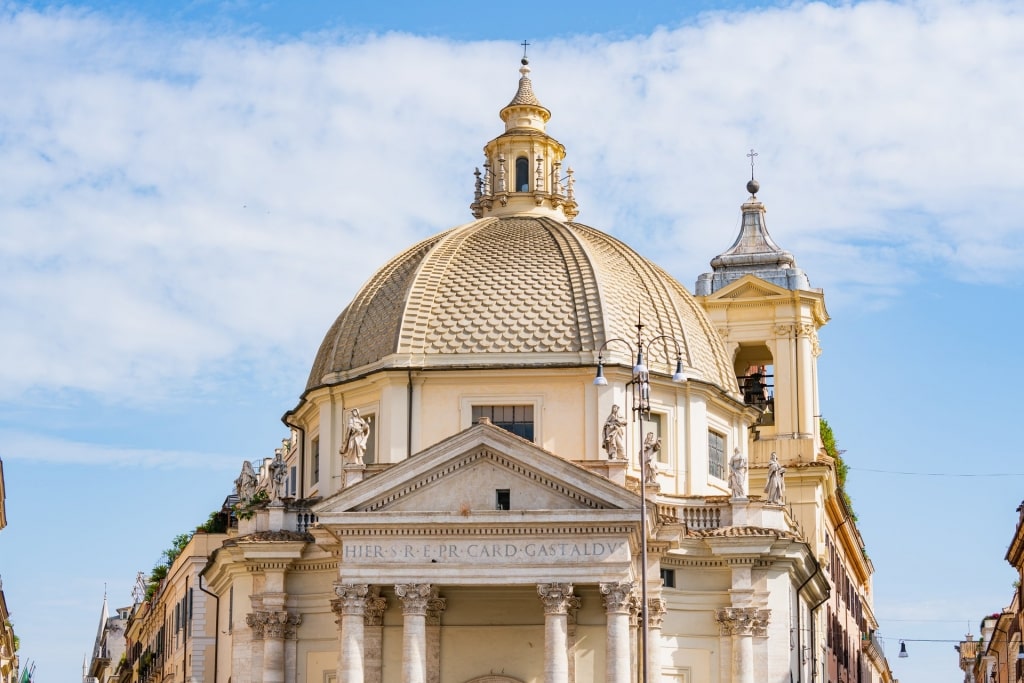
column 436, row 605
column 415, row 597
column 743, row 621
column 618, row 597
column 655, row 612
column 273, row 624
column 555, row 596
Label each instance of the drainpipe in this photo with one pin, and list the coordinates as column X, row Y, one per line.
column 216, row 627
column 799, row 639
column 302, row 454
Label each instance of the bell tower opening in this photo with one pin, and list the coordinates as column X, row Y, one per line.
column 755, row 371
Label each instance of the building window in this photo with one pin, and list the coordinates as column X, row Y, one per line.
column 668, row 578
column 502, row 499
column 292, row 483
column 716, row 455
column 314, row 460
column 515, row 419
column 522, row 174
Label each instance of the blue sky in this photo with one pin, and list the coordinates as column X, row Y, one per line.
column 191, row 192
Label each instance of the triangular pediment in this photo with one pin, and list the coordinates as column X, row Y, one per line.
column 749, row 287
column 461, row 475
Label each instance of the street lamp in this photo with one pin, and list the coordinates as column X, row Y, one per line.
column 641, row 407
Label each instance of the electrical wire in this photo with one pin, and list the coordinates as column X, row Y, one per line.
column 939, row 474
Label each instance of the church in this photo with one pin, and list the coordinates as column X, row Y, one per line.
column 527, row 454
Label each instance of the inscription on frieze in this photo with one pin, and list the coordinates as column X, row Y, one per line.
column 484, row 551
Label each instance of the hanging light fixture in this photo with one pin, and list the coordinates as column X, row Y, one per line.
column 903, row 650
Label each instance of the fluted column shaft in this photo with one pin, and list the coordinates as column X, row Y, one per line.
column 618, row 599
column 556, row 598
column 415, row 598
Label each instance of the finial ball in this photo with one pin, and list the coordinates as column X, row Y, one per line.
column 524, row 61
column 753, row 186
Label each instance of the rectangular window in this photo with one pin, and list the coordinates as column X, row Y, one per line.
column 716, row 455
column 292, row 480
column 515, row 419
column 314, row 460
column 502, row 499
column 668, row 578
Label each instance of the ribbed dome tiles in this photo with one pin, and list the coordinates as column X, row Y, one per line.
column 516, row 291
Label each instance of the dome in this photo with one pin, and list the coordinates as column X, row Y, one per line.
column 517, row 291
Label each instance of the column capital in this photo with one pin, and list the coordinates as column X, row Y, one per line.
column 351, row 598
column 655, row 612
column 415, row 597
column 555, row 596
column 743, row 621
column 375, row 607
column 273, row 624
column 618, row 596
column 435, row 606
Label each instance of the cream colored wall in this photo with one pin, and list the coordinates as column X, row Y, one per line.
column 569, row 412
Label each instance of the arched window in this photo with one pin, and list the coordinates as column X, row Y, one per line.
column 522, row 174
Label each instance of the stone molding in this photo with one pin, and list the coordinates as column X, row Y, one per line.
column 415, row 597
column 618, row 597
column 743, row 621
column 557, row 597
column 273, row 624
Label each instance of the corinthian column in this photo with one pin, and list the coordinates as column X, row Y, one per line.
column 273, row 626
column 556, row 598
column 618, row 601
column 350, row 606
column 740, row 623
column 415, row 599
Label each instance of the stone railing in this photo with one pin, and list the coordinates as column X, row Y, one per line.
column 696, row 514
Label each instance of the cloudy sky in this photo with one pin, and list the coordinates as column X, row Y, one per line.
column 190, row 192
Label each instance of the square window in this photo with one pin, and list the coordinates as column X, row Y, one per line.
column 502, row 499
column 515, row 419
column 668, row 578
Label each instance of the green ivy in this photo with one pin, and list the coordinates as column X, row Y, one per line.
column 828, row 442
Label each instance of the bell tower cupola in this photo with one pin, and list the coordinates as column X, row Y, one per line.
column 768, row 315
column 522, row 171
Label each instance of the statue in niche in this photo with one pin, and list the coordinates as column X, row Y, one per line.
column 775, row 489
column 355, row 442
column 613, row 435
column 245, row 484
column 738, row 475
column 652, row 446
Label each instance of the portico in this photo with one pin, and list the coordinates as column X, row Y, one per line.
column 515, row 589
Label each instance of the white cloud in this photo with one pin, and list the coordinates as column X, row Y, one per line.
column 44, row 449
column 172, row 203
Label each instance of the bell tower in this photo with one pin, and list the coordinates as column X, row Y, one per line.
column 522, row 171
column 769, row 317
